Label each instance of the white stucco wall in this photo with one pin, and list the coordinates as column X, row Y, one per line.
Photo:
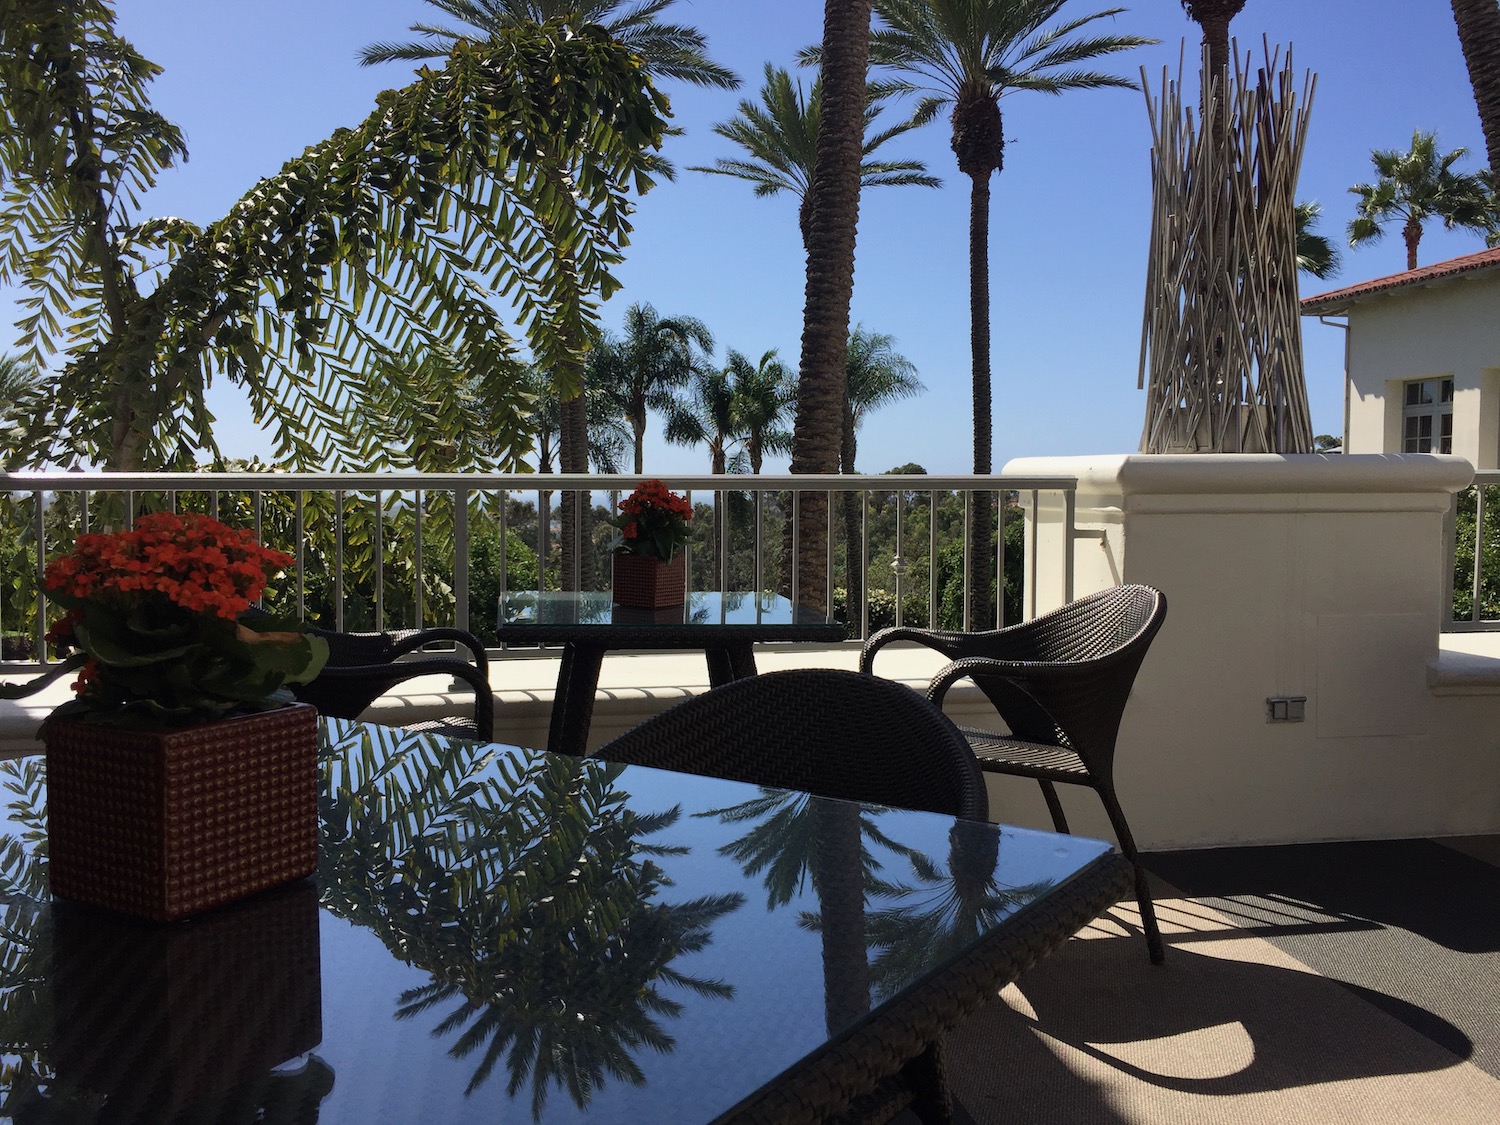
column 1318, row 576
column 1439, row 331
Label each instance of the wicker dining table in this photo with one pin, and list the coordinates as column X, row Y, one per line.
column 725, row 627
column 499, row 934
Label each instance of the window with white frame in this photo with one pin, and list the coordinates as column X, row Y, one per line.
column 1427, row 416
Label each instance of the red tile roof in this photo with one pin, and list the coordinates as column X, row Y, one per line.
column 1338, row 300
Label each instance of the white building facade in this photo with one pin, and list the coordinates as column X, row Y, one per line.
column 1422, row 366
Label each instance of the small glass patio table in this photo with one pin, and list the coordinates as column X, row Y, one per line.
column 505, row 935
column 726, row 627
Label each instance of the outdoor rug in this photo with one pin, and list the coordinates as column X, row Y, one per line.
column 1346, row 983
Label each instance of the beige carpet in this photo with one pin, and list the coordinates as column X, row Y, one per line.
column 1231, row 1029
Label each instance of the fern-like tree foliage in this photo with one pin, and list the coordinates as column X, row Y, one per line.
column 405, row 235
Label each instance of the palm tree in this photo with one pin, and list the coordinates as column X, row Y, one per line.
column 708, row 417
column 1212, row 18
column 1316, row 254
column 643, row 367
column 967, row 55
column 780, row 137
column 830, row 287
column 1416, row 186
column 762, row 394
column 877, row 375
column 608, row 438
column 1479, row 33
column 673, row 50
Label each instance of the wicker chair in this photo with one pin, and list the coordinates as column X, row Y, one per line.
column 1060, row 683
column 821, row 730
column 364, row 666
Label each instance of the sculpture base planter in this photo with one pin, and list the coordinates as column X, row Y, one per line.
column 167, row 823
column 646, row 582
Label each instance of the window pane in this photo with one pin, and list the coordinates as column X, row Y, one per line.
column 1447, row 390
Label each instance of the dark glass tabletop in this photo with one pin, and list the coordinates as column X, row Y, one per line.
column 500, row 935
column 732, row 612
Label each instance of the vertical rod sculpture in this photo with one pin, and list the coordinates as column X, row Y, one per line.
column 1221, row 343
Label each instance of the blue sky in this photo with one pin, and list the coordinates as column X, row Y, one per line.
column 252, row 84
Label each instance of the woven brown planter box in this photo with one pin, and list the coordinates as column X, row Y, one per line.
column 164, row 824
column 646, row 582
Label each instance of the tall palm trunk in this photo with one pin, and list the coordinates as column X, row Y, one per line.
column 1479, row 33
column 830, row 282
column 981, row 545
column 836, row 861
column 1212, row 18
column 1411, row 232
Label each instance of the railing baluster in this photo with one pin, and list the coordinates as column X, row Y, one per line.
column 338, row 560
column 300, row 503
column 416, row 555
column 932, row 560
column 461, row 557
column 1481, row 512
column 379, row 561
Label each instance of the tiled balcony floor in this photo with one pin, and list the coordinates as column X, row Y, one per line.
column 1349, row 983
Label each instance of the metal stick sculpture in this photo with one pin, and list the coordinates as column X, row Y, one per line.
column 1222, row 338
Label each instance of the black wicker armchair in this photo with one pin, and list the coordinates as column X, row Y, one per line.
column 1060, row 683
column 364, row 666
column 824, row 731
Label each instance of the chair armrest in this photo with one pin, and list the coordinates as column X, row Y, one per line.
column 939, row 641
column 414, row 639
column 362, row 684
column 1020, row 673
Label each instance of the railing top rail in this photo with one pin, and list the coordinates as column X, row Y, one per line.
column 69, row 481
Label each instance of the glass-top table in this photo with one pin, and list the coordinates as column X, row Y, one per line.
column 504, row 935
column 725, row 626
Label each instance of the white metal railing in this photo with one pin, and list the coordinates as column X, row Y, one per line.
column 1469, row 585
column 414, row 533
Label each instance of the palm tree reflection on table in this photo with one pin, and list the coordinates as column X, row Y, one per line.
column 948, row 912
column 797, row 836
column 526, row 888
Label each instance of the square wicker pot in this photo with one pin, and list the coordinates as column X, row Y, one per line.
column 646, row 582
column 164, row 824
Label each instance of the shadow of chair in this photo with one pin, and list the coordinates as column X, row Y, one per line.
column 364, row 666
column 824, row 731
column 1060, row 683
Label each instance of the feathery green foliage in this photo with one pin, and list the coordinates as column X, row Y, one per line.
column 386, row 240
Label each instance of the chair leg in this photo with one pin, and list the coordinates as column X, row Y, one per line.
column 1054, row 806
column 1142, row 887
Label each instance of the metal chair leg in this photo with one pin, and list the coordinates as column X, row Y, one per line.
column 1054, row 806
column 1142, row 887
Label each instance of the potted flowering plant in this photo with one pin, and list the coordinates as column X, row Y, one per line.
column 154, row 619
column 182, row 775
column 649, row 568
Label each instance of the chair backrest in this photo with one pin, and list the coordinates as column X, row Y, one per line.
column 821, row 730
column 1087, row 654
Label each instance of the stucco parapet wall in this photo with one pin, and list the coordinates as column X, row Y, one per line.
column 1257, row 481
